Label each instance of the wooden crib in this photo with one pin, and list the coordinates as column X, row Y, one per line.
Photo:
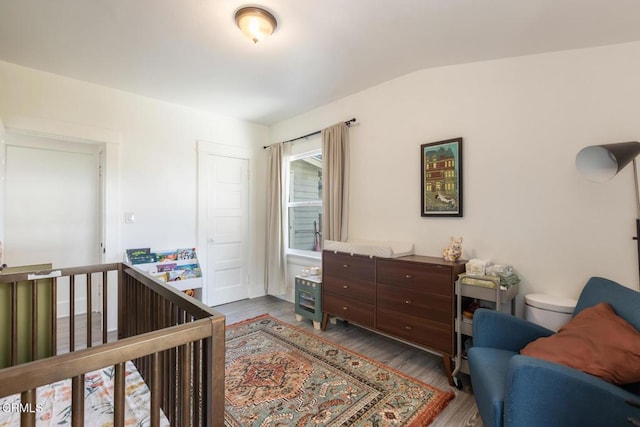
column 176, row 343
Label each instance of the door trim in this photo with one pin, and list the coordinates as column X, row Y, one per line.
column 109, row 163
column 205, row 149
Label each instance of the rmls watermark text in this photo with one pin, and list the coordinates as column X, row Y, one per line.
column 21, row 407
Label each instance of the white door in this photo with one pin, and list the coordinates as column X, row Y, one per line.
column 227, row 229
column 51, row 210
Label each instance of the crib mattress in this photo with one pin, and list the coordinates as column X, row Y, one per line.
column 373, row 248
column 53, row 406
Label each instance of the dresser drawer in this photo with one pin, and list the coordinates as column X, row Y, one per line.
column 438, row 308
column 349, row 309
column 428, row 278
column 356, row 267
column 437, row 336
column 365, row 292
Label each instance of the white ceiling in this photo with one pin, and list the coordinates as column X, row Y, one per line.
column 189, row 52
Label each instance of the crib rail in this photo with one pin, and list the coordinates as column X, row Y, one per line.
column 176, row 342
column 30, row 310
column 26, row 377
column 187, row 367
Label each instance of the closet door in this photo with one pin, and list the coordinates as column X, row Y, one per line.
column 227, row 229
column 51, row 202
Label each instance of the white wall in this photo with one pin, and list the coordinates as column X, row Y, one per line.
column 155, row 154
column 523, row 121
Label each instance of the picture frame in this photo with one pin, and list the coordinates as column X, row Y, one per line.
column 441, row 178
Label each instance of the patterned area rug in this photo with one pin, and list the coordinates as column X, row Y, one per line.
column 278, row 374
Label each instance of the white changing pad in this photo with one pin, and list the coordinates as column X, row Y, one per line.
column 368, row 247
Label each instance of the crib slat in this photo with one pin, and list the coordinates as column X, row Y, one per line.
column 72, row 314
column 207, row 374
column 123, row 312
column 28, row 400
column 172, row 387
column 185, row 385
column 171, row 373
column 140, row 321
column 166, row 360
column 214, row 356
column 77, row 401
column 89, row 310
column 118, row 392
column 147, row 326
column 196, row 383
column 166, row 373
column 131, row 324
column 105, row 324
column 34, row 320
column 54, row 316
column 14, row 323
column 156, row 389
column 147, row 308
column 121, row 296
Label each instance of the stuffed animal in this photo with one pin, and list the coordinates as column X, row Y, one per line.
column 454, row 250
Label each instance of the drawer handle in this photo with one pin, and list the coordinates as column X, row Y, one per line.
column 345, row 308
column 408, row 276
column 345, row 265
column 408, row 328
column 408, row 301
column 345, row 286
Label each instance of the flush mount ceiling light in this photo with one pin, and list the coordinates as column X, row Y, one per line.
column 255, row 23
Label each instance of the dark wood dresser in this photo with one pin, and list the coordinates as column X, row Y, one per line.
column 409, row 298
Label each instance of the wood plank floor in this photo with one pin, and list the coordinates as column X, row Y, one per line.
column 461, row 411
column 80, row 336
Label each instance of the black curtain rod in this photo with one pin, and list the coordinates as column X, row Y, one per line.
column 348, row 123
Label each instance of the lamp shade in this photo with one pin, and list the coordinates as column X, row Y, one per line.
column 600, row 163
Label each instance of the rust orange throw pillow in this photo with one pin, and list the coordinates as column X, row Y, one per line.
column 595, row 341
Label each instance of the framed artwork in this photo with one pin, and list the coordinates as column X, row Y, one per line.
column 441, row 173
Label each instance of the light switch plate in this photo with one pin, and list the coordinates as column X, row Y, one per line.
column 129, row 217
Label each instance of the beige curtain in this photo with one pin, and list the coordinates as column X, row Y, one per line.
column 275, row 271
column 335, row 182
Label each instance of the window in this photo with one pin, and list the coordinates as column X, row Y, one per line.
column 305, row 203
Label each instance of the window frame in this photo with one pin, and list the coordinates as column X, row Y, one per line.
column 289, row 204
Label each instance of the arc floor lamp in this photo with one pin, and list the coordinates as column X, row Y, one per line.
column 600, row 163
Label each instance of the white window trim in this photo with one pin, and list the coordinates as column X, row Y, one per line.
column 310, row 153
column 299, row 252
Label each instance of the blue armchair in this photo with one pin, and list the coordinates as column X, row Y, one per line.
column 519, row 391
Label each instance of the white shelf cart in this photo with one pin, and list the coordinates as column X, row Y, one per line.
column 483, row 288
